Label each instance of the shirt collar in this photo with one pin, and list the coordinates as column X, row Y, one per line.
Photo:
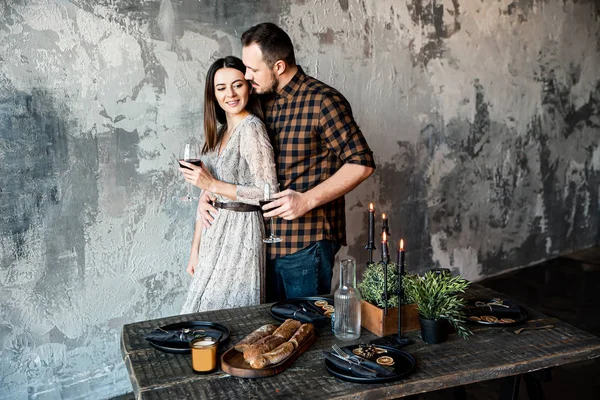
column 293, row 85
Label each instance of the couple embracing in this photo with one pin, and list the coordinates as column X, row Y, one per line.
column 267, row 122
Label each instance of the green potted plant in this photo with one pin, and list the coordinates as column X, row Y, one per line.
column 439, row 301
column 373, row 317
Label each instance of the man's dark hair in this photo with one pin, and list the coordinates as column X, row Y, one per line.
column 274, row 43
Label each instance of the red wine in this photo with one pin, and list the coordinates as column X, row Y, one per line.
column 195, row 161
column 263, row 202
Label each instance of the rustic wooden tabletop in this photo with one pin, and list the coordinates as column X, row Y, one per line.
column 491, row 353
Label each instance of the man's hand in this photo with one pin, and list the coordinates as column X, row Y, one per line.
column 289, row 205
column 205, row 209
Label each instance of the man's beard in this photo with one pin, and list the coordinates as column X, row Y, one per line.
column 272, row 88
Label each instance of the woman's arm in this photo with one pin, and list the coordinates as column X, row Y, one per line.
column 195, row 250
column 202, row 178
column 258, row 154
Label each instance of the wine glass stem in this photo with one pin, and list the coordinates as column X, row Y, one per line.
column 189, row 194
column 271, row 223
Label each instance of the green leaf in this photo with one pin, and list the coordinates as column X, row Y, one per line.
column 437, row 295
column 372, row 285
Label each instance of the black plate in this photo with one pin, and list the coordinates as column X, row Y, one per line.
column 296, row 301
column 404, row 364
column 519, row 318
column 212, row 329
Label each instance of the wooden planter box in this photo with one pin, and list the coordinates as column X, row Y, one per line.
column 372, row 319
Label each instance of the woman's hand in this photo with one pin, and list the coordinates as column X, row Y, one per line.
column 192, row 263
column 198, row 176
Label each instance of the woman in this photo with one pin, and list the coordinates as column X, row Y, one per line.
column 227, row 259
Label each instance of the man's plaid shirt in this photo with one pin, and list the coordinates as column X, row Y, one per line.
column 313, row 134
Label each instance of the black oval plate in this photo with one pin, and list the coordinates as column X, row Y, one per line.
column 404, row 364
column 296, row 301
column 213, row 329
column 519, row 318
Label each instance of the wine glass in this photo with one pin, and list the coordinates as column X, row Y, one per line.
column 267, row 199
column 190, row 152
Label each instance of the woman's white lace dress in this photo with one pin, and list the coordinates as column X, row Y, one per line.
column 231, row 258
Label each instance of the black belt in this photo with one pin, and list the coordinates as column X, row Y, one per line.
column 233, row 206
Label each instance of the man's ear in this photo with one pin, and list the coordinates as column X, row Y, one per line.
column 279, row 67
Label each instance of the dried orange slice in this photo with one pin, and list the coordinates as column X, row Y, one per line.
column 328, row 307
column 507, row 320
column 474, row 318
column 385, row 360
column 489, row 318
column 320, row 303
column 379, row 350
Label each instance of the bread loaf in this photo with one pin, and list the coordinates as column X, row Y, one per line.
column 264, row 345
column 273, row 357
column 304, row 332
column 287, row 329
column 255, row 336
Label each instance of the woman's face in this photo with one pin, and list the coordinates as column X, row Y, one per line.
column 231, row 90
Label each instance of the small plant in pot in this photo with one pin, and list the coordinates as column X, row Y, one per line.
column 371, row 288
column 437, row 296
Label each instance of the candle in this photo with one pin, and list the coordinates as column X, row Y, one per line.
column 401, row 256
column 399, row 292
column 385, row 256
column 371, row 225
column 384, row 225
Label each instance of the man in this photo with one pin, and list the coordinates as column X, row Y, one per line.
column 321, row 155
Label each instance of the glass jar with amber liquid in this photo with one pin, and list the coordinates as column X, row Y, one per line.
column 204, row 354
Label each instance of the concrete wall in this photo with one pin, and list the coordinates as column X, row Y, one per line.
column 483, row 117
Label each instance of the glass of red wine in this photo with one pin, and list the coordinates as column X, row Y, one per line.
column 270, row 231
column 190, row 152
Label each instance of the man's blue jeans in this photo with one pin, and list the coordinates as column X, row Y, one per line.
column 305, row 273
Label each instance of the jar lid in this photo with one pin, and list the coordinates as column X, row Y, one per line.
column 203, row 342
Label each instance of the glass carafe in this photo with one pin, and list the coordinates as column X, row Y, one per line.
column 347, row 303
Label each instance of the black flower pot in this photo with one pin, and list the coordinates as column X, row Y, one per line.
column 433, row 331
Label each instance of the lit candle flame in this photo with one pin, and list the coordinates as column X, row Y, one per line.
column 370, row 206
column 383, row 216
column 384, row 239
column 402, row 244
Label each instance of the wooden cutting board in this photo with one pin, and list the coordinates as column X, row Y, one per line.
column 233, row 363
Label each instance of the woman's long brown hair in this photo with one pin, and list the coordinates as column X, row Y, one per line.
column 215, row 122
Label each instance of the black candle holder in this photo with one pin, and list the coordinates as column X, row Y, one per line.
column 385, row 260
column 395, row 341
column 370, row 247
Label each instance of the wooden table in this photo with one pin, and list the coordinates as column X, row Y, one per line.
column 491, row 353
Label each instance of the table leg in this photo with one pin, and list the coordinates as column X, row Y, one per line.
column 510, row 388
column 533, row 383
column 460, row 393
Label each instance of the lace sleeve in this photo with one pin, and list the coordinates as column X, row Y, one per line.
column 258, row 153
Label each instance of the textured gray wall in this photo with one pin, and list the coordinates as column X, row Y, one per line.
column 483, row 117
